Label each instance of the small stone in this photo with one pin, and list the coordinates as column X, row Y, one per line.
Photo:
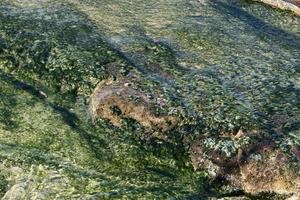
column 127, row 84
column 43, row 94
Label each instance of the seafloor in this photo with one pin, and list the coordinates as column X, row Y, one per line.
column 210, row 109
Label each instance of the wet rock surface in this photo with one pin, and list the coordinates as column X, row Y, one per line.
column 148, row 100
column 291, row 5
column 254, row 164
column 274, row 172
column 116, row 100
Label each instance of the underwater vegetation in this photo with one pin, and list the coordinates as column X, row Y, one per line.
column 148, row 100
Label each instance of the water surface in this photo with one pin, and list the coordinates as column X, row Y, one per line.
column 232, row 64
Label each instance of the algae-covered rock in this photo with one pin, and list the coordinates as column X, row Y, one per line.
column 115, row 100
column 256, row 165
column 200, row 99
column 272, row 171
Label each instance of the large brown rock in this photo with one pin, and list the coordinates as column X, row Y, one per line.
column 256, row 166
column 273, row 172
column 117, row 100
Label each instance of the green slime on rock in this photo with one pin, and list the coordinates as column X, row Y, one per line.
column 222, row 66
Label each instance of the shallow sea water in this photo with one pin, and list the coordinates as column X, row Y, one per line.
column 222, row 58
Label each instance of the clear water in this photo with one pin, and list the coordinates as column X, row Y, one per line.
column 232, row 63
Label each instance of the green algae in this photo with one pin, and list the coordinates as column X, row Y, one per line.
column 3, row 184
column 56, row 139
column 217, row 80
column 46, row 130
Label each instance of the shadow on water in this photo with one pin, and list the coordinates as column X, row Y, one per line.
column 155, row 76
column 261, row 28
column 21, row 85
column 138, row 34
column 161, row 172
column 68, row 117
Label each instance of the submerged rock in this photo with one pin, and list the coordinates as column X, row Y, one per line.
column 291, row 5
column 273, row 171
column 253, row 161
column 117, row 100
column 227, row 90
column 255, row 166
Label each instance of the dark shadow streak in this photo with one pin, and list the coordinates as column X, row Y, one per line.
column 161, row 172
column 260, row 27
column 21, row 85
column 68, row 117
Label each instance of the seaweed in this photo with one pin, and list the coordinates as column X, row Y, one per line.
column 217, row 66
